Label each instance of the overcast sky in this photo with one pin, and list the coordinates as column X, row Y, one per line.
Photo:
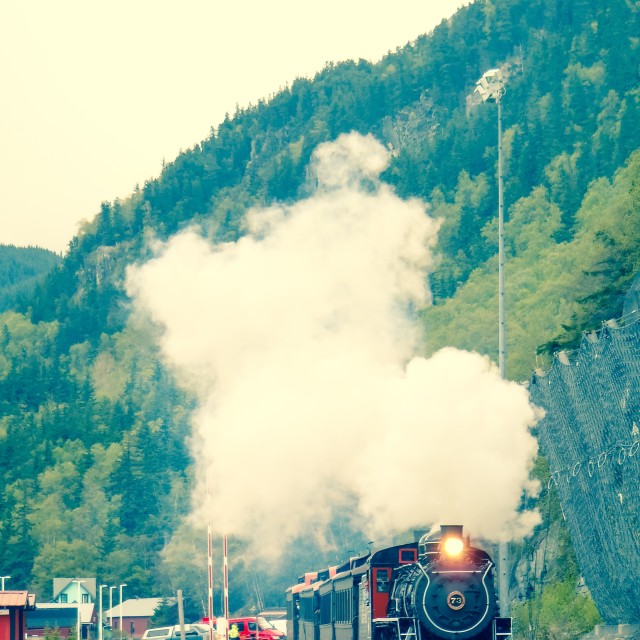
column 96, row 95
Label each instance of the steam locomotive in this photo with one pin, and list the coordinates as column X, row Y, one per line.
column 440, row 588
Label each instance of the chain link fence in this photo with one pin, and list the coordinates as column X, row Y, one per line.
column 591, row 437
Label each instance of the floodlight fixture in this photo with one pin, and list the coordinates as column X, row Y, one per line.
column 491, row 86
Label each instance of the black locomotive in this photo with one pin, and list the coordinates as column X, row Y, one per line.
column 440, row 588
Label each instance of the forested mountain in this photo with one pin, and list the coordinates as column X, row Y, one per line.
column 107, row 482
column 20, row 270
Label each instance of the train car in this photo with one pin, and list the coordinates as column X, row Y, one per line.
column 293, row 603
column 441, row 588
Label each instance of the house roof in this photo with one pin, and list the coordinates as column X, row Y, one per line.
column 135, row 608
column 14, row 598
column 87, row 584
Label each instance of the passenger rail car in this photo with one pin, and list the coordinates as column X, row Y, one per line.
column 441, row 588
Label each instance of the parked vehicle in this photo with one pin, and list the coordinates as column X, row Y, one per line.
column 277, row 617
column 256, row 628
column 158, row 633
column 191, row 632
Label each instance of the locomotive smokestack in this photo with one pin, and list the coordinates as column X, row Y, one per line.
column 451, row 530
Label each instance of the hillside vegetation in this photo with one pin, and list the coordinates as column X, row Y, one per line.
column 107, row 482
column 20, row 270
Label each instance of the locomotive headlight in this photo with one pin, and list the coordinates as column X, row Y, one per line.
column 453, row 547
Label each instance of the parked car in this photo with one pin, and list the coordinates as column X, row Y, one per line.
column 158, row 633
column 191, row 632
column 277, row 617
column 256, row 628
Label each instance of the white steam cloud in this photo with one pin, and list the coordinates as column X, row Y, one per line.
column 299, row 340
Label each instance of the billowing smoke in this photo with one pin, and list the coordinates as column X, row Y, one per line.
column 299, row 339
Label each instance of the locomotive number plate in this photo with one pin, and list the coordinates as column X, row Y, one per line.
column 455, row 600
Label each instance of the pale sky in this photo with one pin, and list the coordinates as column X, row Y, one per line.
column 94, row 96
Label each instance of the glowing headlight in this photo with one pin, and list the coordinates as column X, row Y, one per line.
column 453, row 547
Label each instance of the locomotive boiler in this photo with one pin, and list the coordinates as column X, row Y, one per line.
column 440, row 588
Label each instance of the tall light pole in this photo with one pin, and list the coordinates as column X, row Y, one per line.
column 100, row 630
column 111, row 606
column 3, row 578
column 79, row 627
column 121, row 586
column 491, row 88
